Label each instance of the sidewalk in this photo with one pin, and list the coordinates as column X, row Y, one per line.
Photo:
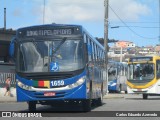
column 114, row 95
column 8, row 98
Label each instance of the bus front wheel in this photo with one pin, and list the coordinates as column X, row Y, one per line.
column 119, row 89
column 86, row 104
column 31, row 106
column 100, row 100
column 145, row 96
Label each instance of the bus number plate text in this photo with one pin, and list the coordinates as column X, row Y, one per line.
column 49, row 94
column 57, row 83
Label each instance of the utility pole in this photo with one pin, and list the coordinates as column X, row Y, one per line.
column 106, row 2
column 121, row 59
column 159, row 20
column 4, row 18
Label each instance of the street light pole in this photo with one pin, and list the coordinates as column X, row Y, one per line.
column 44, row 5
column 121, row 54
column 159, row 20
column 106, row 2
column 106, row 26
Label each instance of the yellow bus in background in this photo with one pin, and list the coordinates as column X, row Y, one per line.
column 144, row 76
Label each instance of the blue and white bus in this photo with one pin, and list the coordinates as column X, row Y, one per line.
column 56, row 63
column 117, row 76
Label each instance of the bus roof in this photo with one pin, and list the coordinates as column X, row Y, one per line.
column 143, row 58
column 80, row 29
column 50, row 25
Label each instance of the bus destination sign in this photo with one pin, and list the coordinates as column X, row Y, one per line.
column 139, row 59
column 30, row 33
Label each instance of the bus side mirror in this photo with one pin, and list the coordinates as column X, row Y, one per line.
column 12, row 48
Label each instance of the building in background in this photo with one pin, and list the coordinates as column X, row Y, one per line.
column 126, row 49
column 148, row 50
column 157, row 49
column 118, row 51
column 5, row 38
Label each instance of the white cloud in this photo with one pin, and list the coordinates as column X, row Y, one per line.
column 128, row 9
column 71, row 10
column 64, row 11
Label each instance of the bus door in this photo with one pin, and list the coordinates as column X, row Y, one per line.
column 158, row 75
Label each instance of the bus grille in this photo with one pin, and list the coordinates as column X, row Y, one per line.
column 50, row 77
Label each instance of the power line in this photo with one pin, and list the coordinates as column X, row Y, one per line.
column 133, row 26
column 129, row 27
column 139, row 22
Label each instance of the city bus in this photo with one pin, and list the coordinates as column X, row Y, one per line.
column 144, row 76
column 117, row 76
column 59, row 63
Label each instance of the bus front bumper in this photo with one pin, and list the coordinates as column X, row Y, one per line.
column 76, row 93
column 141, row 91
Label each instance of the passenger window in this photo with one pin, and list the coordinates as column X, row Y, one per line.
column 158, row 68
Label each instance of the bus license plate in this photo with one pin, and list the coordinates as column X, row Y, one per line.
column 49, row 94
column 139, row 90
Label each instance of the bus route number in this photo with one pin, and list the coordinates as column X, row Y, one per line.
column 57, row 83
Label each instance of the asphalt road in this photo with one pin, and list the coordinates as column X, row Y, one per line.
column 115, row 102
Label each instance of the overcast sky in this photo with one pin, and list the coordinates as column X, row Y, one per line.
column 138, row 20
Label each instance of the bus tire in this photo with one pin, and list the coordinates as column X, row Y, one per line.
column 31, row 106
column 145, row 96
column 86, row 104
column 119, row 89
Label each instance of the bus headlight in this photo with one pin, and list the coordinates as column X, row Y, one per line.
column 78, row 82
column 113, row 84
column 23, row 86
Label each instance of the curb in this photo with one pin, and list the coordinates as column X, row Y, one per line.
column 113, row 96
column 7, row 99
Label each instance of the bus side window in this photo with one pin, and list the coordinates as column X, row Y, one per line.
column 158, row 68
column 89, row 49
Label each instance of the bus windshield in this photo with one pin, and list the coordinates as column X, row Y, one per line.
column 57, row 55
column 112, row 72
column 143, row 71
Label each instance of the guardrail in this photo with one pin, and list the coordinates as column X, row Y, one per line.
column 3, row 77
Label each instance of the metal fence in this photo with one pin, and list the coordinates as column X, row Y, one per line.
column 3, row 77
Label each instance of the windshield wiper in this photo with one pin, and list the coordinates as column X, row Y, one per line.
column 35, row 44
column 60, row 44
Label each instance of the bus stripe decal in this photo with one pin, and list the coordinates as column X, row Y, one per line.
column 35, row 83
column 47, row 84
column 41, row 83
